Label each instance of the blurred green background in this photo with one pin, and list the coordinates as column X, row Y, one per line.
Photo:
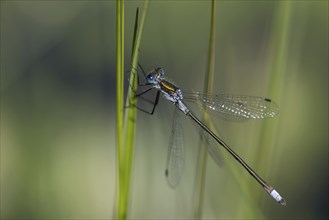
column 58, row 108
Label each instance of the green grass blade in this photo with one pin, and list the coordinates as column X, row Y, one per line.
column 277, row 70
column 200, row 179
column 135, row 34
column 129, row 125
column 119, row 96
column 202, row 156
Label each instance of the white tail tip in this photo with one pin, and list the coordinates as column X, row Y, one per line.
column 275, row 195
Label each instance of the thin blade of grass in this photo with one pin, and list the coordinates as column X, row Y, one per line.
column 277, row 70
column 199, row 187
column 200, row 178
column 119, row 98
column 129, row 124
column 135, row 33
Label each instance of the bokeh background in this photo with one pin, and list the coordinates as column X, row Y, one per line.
column 58, row 154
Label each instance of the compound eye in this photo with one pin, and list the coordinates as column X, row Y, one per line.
column 150, row 78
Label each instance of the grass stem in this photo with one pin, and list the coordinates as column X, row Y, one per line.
column 199, row 186
column 119, row 99
column 126, row 128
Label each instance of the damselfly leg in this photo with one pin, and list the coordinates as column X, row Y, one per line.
column 147, row 87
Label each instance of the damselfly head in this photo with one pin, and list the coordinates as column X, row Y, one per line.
column 155, row 75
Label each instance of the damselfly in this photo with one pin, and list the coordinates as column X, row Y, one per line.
column 241, row 107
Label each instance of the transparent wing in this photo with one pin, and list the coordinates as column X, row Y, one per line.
column 175, row 157
column 235, row 106
column 213, row 149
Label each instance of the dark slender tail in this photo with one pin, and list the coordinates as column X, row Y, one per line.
column 267, row 187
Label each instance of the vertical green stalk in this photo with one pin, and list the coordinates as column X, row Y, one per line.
column 127, row 134
column 276, row 69
column 202, row 156
column 119, row 72
column 119, row 98
column 130, row 114
column 199, row 185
